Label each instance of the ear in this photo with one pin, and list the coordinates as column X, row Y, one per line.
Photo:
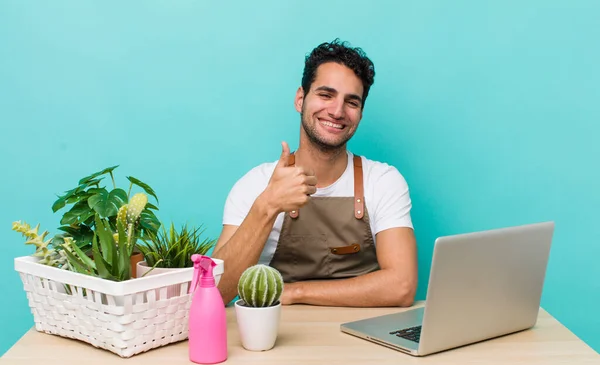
column 299, row 99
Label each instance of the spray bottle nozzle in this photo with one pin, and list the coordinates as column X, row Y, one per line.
column 203, row 266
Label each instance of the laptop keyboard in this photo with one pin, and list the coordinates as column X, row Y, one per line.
column 411, row 334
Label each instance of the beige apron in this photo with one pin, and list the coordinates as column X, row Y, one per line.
column 330, row 237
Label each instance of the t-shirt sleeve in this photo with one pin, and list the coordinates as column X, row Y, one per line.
column 243, row 194
column 392, row 200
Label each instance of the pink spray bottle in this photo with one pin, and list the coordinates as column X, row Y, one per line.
column 207, row 327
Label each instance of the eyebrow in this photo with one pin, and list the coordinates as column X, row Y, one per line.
column 334, row 91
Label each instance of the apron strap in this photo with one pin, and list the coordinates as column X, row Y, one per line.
column 359, row 198
column 292, row 162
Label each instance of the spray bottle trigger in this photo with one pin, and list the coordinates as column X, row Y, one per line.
column 197, row 272
column 207, row 264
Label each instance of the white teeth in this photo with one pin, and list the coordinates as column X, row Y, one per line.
column 329, row 124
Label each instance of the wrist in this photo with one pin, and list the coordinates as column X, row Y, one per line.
column 295, row 292
column 266, row 206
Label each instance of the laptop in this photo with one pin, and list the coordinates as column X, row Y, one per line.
column 482, row 285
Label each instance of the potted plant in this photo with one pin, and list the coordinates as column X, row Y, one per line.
column 89, row 198
column 111, row 251
column 80, row 284
column 258, row 310
column 171, row 250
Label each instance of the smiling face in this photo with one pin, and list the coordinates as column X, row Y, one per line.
column 331, row 110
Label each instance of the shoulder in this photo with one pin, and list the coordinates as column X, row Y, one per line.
column 244, row 191
column 383, row 175
column 387, row 191
column 254, row 180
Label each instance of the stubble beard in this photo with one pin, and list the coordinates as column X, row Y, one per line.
column 314, row 138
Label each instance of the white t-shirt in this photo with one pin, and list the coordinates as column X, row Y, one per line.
column 386, row 196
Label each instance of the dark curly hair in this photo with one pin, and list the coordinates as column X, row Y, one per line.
column 341, row 52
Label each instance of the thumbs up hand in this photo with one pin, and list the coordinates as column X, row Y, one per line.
column 290, row 187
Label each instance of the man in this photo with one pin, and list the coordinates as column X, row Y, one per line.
column 337, row 226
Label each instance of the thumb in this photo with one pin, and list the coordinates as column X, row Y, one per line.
column 285, row 154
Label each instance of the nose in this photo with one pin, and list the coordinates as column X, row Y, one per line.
column 336, row 109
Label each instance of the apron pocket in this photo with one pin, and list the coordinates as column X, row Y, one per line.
column 306, row 257
column 347, row 261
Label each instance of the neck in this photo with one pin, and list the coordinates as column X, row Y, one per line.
column 328, row 165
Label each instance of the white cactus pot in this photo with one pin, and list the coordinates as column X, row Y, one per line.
column 258, row 327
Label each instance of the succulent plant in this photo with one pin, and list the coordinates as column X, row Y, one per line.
column 260, row 286
column 174, row 249
column 49, row 255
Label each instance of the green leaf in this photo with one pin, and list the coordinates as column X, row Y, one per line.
column 124, row 268
column 76, row 264
column 107, row 242
column 94, row 191
column 78, row 214
column 58, row 204
column 96, row 174
column 101, row 265
column 122, row 238
column 69, row 195
column 75, row 198
column 88, row 184
column 149, row 221
column 151, row 206
column 58, row 239
column 107, row 204
column 82, row 234
column 144, row 186
column 89, row 222
column 84, row 258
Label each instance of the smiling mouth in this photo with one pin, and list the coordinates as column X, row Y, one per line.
column 332, row 125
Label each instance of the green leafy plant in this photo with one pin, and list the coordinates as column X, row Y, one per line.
column 174, row 249
column 260, row 286
column 89, row 198
column 111, row 251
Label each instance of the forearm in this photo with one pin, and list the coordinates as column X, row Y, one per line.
column 382, row 288
column 243, row 249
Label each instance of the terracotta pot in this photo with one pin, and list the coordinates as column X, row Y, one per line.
column 134, row 259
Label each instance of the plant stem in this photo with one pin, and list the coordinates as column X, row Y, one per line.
column 129, row 192
column 113, row 180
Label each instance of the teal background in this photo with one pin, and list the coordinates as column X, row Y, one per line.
column 490, row 111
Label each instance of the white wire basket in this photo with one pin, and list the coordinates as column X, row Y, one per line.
column 126, row 318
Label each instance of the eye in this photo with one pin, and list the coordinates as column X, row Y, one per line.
column 354, row 104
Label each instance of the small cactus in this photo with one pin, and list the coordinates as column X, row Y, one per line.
column 136, row 206
column 260, row 286
column 122, row 215
column 129, row 215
